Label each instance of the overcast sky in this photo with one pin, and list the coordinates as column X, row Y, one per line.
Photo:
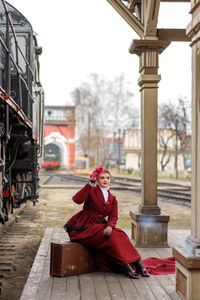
column 88, row 36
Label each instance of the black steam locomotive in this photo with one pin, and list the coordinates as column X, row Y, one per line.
column 21, row 110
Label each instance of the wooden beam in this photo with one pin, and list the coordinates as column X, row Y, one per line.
column 139, row 1
column 138, row 11
column 175, row 0
column 131, row 5
column 128, row 16
column 151, row 18
column 174, row 35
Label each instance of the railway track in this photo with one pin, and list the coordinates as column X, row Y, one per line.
column 168, row 191
column 12, row 241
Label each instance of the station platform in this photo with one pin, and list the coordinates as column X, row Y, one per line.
column 99, row 286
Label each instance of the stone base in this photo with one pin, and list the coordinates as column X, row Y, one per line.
column 187, row 275
column 149, row 230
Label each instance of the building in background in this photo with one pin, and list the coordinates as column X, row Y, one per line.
column 59, row 136
column 115, row 155
column 167, row 145
column 132, row 149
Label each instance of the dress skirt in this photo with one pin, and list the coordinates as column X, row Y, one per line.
column 117, row 248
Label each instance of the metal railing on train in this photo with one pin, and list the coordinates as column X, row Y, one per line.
column 6, row 45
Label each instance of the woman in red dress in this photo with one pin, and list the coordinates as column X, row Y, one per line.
column 94, row 226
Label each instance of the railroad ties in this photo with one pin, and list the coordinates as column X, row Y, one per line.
column 11, row 244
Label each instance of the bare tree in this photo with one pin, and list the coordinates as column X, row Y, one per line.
column 166, row 153
column 102, row 108
column 174, row 116
column 185, row 136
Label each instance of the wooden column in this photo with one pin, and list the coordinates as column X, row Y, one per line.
column 149, row 224
column 187, row 265
column 194, row 239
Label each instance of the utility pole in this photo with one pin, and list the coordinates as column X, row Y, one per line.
column 119, row 146
column 88, row 133
column 114, row 156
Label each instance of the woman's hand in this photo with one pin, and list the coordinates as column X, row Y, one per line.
column 107, row 231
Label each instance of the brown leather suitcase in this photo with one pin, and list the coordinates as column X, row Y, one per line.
column 69, row 259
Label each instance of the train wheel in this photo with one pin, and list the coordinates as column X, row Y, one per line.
column 2, row 219
column 7, row 208
column 11, row 205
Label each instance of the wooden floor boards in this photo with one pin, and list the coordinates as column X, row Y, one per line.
column 99, row 286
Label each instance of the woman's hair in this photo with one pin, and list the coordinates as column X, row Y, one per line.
column 108, row 172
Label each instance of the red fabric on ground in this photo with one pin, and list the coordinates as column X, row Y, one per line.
column 159, row 266
column 155, row 266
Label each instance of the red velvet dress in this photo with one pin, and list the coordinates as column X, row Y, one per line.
column 86, row 227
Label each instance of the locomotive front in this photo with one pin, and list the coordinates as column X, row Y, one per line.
column 21, row 110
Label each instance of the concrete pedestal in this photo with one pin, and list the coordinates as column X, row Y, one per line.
column 149, row 230
column 187, row 275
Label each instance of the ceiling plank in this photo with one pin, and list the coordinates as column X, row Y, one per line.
column 134, row 2
column 138, row 1
column 128, row 16
column 175, row 0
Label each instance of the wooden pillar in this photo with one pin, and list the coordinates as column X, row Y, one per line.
column 187, row 265
column 149, row 224
column 194, row 239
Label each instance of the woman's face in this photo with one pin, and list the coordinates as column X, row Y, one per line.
column 103, row 179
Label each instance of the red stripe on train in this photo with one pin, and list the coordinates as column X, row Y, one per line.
column 51, row 164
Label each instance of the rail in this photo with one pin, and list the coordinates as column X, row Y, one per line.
column 178, row 192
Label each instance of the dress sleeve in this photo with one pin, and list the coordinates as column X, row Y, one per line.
column 82, row 195
column 113, row 216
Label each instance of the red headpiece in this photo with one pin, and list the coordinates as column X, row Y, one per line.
column 97, row 171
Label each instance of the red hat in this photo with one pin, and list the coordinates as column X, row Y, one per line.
column 97, row 171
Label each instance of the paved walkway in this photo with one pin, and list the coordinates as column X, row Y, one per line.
column 98, row 286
